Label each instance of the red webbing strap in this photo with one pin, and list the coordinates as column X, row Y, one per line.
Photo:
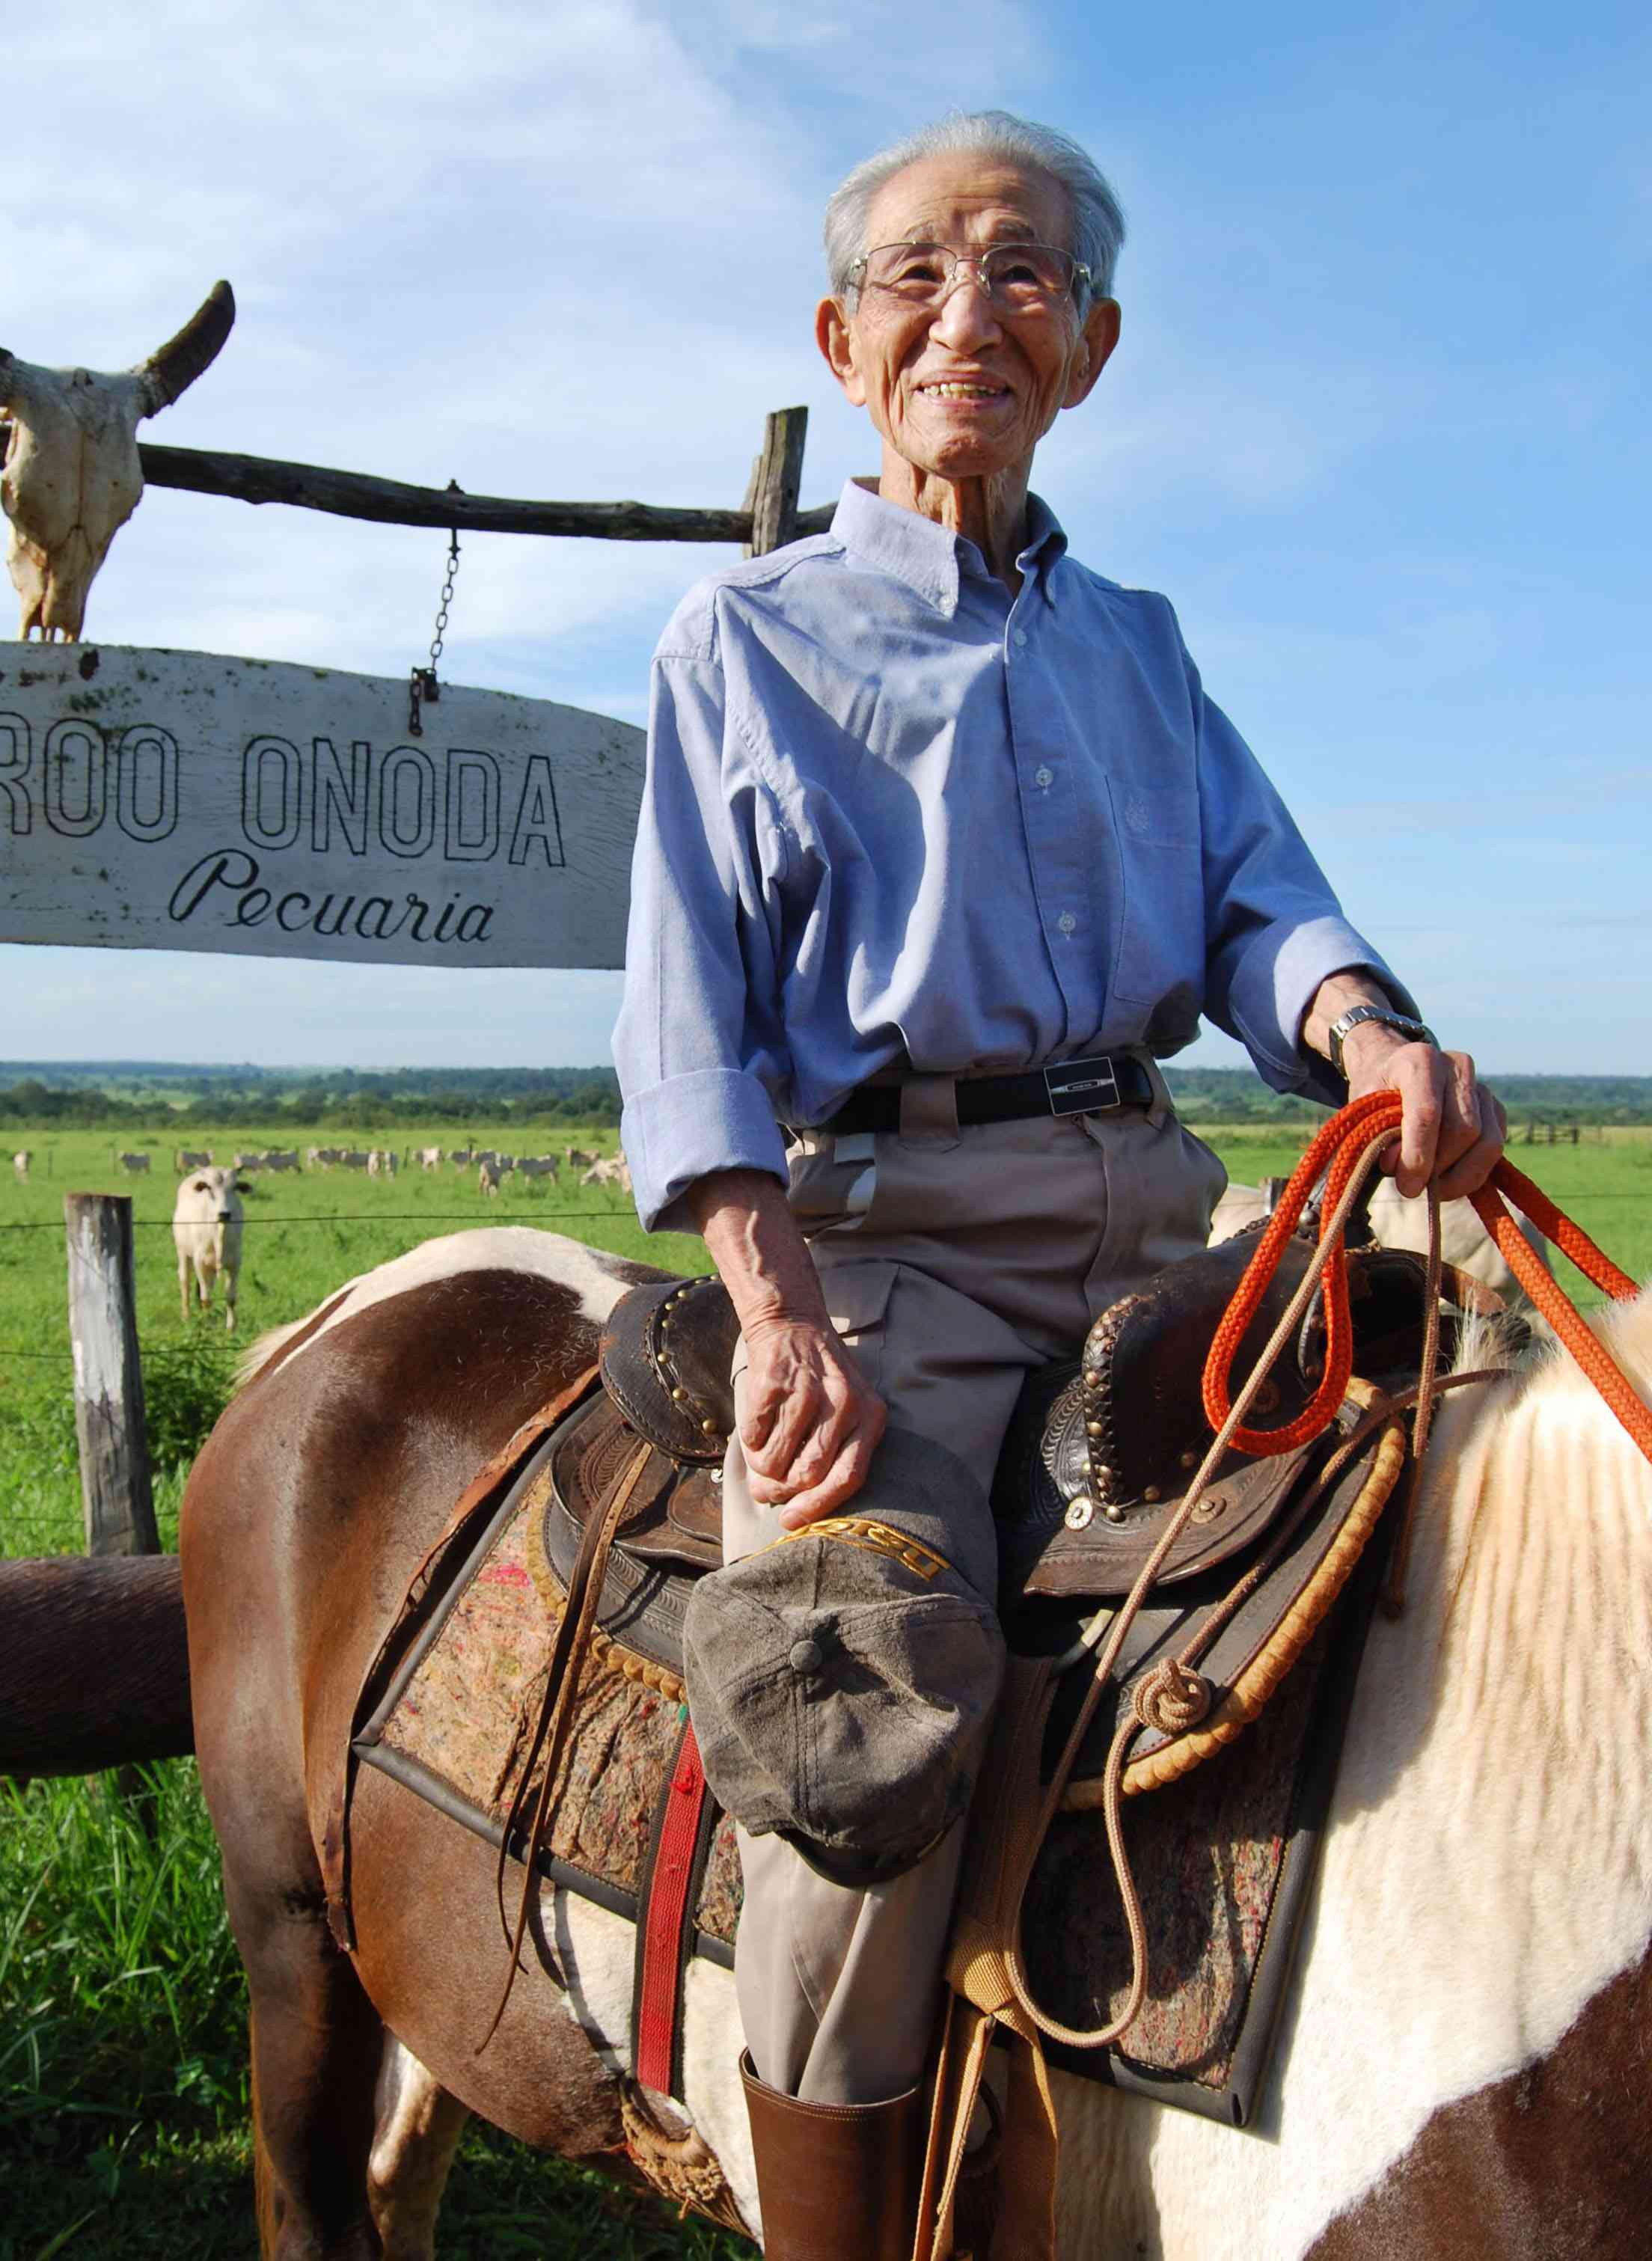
column 663, row 1921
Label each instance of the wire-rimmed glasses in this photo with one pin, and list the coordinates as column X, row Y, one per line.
column 1018, row 278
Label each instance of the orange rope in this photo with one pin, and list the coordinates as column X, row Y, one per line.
column 1341, row 1147
column 1551, row 1298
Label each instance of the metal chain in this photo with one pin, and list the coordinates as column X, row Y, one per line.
column 423, row 683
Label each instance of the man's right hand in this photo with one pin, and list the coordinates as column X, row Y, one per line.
column 810, row 1423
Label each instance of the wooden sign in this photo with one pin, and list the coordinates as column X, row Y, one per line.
column 187, row 800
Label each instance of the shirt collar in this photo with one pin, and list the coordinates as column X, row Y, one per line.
column 924, row 555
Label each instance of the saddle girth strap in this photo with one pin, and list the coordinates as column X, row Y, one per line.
column 561, row 1681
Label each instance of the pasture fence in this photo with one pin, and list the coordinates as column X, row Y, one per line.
column 116, row 1491
column 161, row 1403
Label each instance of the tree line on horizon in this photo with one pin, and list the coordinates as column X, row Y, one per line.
column 136, row 1094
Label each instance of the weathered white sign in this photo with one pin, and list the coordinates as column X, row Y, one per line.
column 187, row 800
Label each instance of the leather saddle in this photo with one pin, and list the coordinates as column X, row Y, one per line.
column 1100, row 1451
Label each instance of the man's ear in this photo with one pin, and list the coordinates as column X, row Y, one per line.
column 1100, row 336
column 837, row 342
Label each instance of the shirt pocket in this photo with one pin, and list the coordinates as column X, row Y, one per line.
column 1161, row 926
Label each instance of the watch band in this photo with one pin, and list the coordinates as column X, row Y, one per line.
column 1418, row 1031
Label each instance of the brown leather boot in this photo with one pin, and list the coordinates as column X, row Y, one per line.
column 836, row 2182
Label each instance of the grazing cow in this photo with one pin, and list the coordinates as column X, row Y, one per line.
column 187, row 1158
column 580, row 1157
column 21, row 1159
column 381, row 1163
column 487, row 1176
column 354, row 1159
column 609, row 1170
column 461, row 1157
column 245, row 1162
column 429, row 1158
column 206, row 1222
column 539, row 1166
column 135, row 1166
column 281, row 1159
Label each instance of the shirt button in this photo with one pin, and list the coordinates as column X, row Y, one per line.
column 1066, row 921
column 1018, row 636
column 1044, row 776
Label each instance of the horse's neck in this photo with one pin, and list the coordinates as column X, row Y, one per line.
column 1522, row 1666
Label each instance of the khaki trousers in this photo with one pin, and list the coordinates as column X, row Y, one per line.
column 952, row 1262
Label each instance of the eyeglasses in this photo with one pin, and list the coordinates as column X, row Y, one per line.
column 1018, row 278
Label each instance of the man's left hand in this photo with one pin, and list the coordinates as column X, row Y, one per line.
column 1452, row 1126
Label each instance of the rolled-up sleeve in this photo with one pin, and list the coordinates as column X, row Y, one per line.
column 696, row 1046
column 1273, row 928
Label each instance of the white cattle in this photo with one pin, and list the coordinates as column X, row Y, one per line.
column 21, row 1159
column 189, row 1158
column 322, row 1158
column 1401, row 1223
column 206, row 1224
column 487, row 1176
column 281, row 1159
column 580, row 1157
column 135, row 1166
column 381, row 1163
column 429, row 1158
column 609, row 1170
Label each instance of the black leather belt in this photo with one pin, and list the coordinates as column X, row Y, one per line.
column 1095, row 1086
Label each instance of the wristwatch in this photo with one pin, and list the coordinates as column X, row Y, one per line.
column 1418, row 1033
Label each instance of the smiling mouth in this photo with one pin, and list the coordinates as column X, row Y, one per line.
column 957, row 389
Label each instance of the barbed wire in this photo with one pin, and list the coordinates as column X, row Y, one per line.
column 358, row 1216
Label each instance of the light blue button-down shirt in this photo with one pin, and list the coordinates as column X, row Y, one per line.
column 890, row 810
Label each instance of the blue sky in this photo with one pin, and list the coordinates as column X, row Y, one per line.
column 1379, row 423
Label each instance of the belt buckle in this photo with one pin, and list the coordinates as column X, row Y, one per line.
column 1070, row 1084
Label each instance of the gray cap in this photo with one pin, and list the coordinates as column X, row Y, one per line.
column 841, row 1680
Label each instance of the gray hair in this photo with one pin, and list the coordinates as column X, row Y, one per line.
column 1098, row 220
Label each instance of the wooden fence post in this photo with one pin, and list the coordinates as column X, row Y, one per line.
column 776, row 477
column 109, row 1421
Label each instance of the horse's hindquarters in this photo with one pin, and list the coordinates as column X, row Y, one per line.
column 434, row 1961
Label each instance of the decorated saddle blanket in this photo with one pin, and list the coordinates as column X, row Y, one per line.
column 1223, row 1855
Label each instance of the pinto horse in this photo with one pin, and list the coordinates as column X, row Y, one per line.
column 1461, row 2066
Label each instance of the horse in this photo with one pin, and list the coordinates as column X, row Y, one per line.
column 1459, row 2067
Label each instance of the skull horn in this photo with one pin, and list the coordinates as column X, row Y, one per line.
column 175, row 366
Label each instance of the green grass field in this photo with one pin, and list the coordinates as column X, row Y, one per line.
column 122, row 2041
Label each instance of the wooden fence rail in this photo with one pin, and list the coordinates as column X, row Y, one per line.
column 393, row 502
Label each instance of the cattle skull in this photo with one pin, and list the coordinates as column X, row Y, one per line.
column 72, row 476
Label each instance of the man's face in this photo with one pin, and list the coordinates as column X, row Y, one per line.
column 965, row 390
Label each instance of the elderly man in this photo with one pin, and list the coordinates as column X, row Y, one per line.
column 942, row 847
